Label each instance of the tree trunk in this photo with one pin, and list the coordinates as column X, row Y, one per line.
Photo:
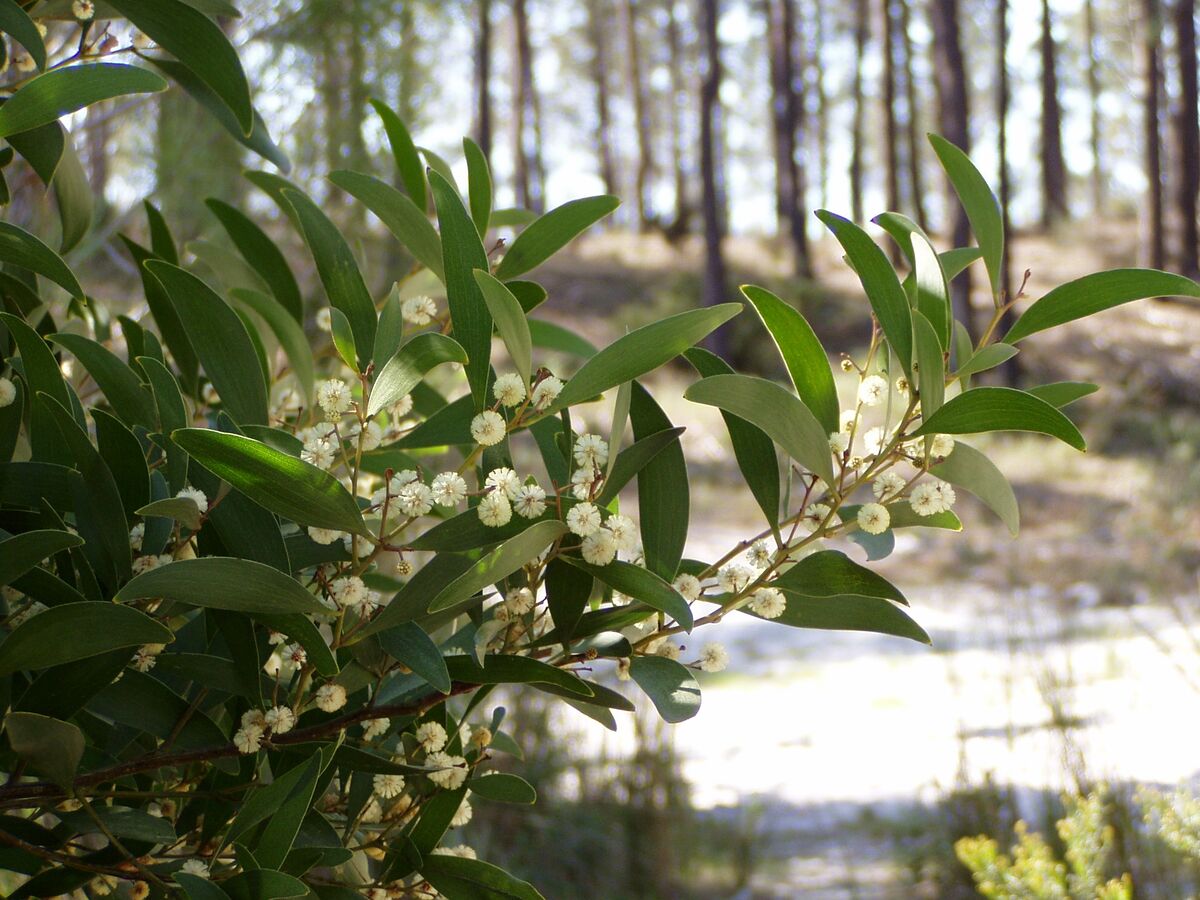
column 641, row 114
column 679, row 107
column 1154, row 251
column 98, row 132
column 915, row 139
column 953, row 115
column 596, row 27
column 817, row 67
column 1187, row 138
column 522, row 86
column 891, row 139
column 483, row 78
column 1054, row 173
column 1093, row 82
column 861, row 36
column 1008, row 371
column 711, row 177
column 785, row 123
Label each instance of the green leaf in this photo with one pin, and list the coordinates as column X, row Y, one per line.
column 407, row 368
column 343, row 339
column 200, row 44
column 830, row 573
column 568, row 590
column 1095, row 293
column 663, row 495
column 145, row 703
column 281, row 483
column 408, row 643
column 504, row 669
column 474, row 879
column 671, row 687
column 271, row 849
column 499, row 564
column 802, row 353
column 1063, row 393
column 404, row 219
column 49, row 745
column 73, row 196
column 182, row 509
column 633, row 459
column 479, row 185
column 503, row 787
column 776, row 411
column 988, row 358
column 22, row 552
column 972, row 471
column 1001, row 409
column 170, row 326
column 301, row 630
column 551, row 232
column 73, row 631
column 56, row 93
column 408, row 161
column 510, row 322
column 20, row 248
column 120, row 384
column 641, row 584
column 339, row 272
column 462, row 254
column 554, row 337
column 262, row 254
column 220, row 340
column 641, row 351
column 879, row 282
column 512, row 217
column 217, row 582
column 289, row 334
column 928, row 282
column 15, row 22
column 955, row 261
column 264, row 884
column 982, row 208
column 198, row 888
column 849, row 612
column 931, row 371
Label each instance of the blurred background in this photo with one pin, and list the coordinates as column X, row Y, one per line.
column 1066, row 661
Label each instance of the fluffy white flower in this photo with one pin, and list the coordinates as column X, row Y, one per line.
column 874, row 440
column 839, row 443
column 873, row 518
column 872, row 391
column 624, row 532
column 449, row 489
column 324, row 536
column 714, row 658
column 280, row 719
column 941, row 446
column 373, row 728
column 320, row 452
column 591, row 450
column 547, row 392
column 431, row 736
column 584, row 481
column 759, row 555
column 414, row 499
column 946, row 492
column 887, row 486
column 254, row 718
column 461, row 850
column 333, row 396
column 494, row 509
column 599, row 548
column 8, row 392
column 733, row 577
column 388, row 786
column 146, row 563
column 452, row 772
column 195, row 867
column 349, row 591
column 295, row 655
column 504, row 479
column 372, row 812
column 519, row 601
column 689, row 587
column 583, row 519
column 530, row 501
column 488, row 428
column 902, row 385
column 372, row 435
column 331, row 697
column 83, row 10
column 462, row 816
column 248, row 740
column 669, row 649
column 325, row 318
column 768, row 603
column 196, row 496
column 418, row 310
column 144, row 658
column 400, row 408
column 509, row 389
column 136, row 535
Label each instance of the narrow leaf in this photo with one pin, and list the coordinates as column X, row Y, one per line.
column 981, row 205
column 56, row 93
column 553, row 231
column 671, row 687
column 216, row 582
column 406, row 369
column 73, row 631
column 1001, row 409
column 510, row 322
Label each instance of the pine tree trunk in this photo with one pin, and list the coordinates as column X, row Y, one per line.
column 483, row 78
column 785, row 124
column 596, row 28
column 891, row 139
column 711, row 177
column 520, row 104
column 679, row 107
column 915, row 139
column 641, row 114
column 1009, row 371
column 1093, row 82
column 1054, row 173
column 861, row 36
column 1187, row 138
column 1154, row 250
column 817, row 67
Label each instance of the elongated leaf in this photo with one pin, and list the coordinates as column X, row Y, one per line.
column 1063, row 393
column 879, row 282
column 406, row 369
column 988, row 358
column 473, row 878
column 931, row 374
column 170, row 325
column 339, row 272
column 289, row 334
column 553, row 231
column 929, row 283
column 217, row 582
column 1001, row 409
column 671, row 687
column 220, row 340
column 633, row 459
column 802, row 353
column 955, row 261
column 48, row 745
column 404, row 219
column 281, row 483
column 1095, row 293
column 15, row 22
column 849, row 612
column 73, row 631
column 981, row 205
column 972, row 471
column 555, row 337
column 22, row 552
column 271, row 848
column 510, row 322
column 125, row 457
column 830, row 573
column 120, row 384
column 264, row 884
column 499, row 564
column 408, row 160
column 641, row 351
column 479, row 185
column 462, row 254
column 73, row 196
column 262, row 254
column 198, row 888
column 199, row 43
column 774, row 410
column 641, row 584
column 54, row 94
column 410, row 644
column 19, row 247
column 568, row 590
column 504, row 787
column 505, row 669
column 663, row 495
